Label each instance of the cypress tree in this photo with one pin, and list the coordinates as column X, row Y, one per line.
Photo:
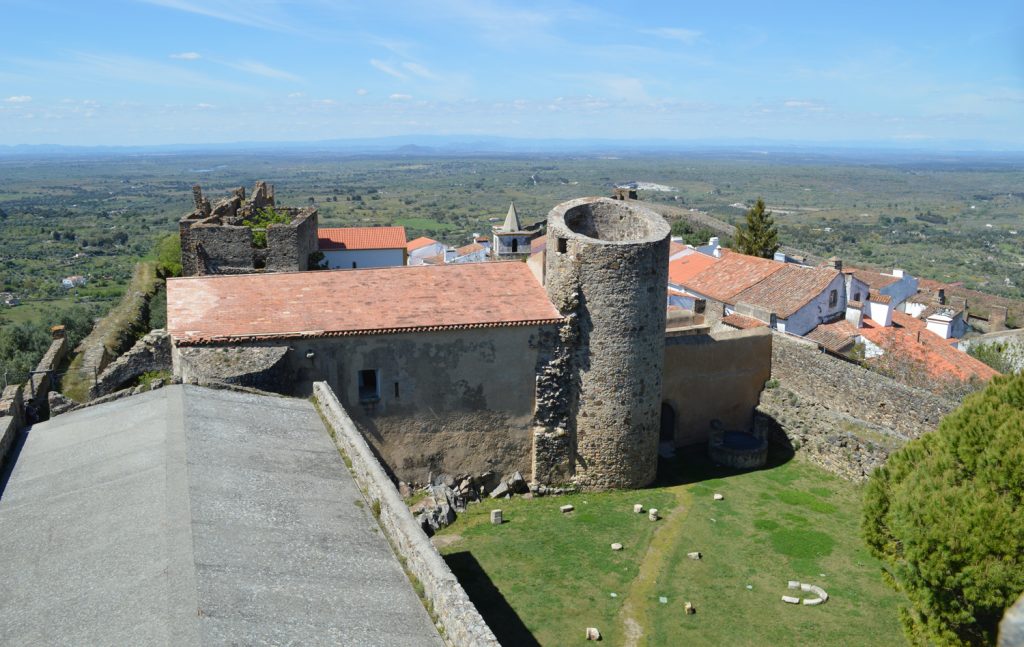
column 758, row 235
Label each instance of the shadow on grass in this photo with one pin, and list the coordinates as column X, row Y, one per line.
column 499, row 615
column 692, row 464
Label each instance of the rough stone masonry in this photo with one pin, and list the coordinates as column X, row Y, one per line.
column 607, row 266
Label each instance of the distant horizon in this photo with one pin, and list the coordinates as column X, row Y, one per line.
column 479, row 144
column 191, row 72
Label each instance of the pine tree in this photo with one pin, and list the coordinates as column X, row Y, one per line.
column 758, row 236
column 946, row 517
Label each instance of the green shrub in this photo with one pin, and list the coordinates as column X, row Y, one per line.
column 262, row 219
column 946, row 517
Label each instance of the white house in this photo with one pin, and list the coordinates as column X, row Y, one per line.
column 423, row 248
column 898, row 286
column 362, row 247
column 73, row 281
column 472, row 253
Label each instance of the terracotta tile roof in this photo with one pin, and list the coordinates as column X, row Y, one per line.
column 732, row 274
column 676, row 248
column 436, row 259
column 874, row 280
column 910, row 339
column 361, row 237
column 850, row 303
column 422, row 241
column 287, row 305
column 466, row 250
column 837, row 336
column 742, row 322
column 875, row 297
column 788, row 289
column 684, row 268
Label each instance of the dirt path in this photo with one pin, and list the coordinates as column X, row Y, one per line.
column 643, row 589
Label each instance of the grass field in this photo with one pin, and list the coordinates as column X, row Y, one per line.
column 543, row 577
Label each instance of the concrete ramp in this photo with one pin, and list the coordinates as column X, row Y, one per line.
column 191, row 516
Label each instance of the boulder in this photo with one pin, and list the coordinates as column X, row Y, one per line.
column 517, row 484
column 593, row 633
column 500, row 491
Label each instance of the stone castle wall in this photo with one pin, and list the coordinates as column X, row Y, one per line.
column 151, row 353
column 607, row 268
column 857, row 392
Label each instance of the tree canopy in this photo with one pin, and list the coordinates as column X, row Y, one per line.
column 945, row 516
column 758, row 236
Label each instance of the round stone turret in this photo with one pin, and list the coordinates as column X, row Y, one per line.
column 607, row 269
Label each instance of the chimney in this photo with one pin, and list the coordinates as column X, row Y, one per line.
column 940, row 296
column 855, row 313
column 836, row 263
column 713, row 241
column 898, row 273
column 699, row 306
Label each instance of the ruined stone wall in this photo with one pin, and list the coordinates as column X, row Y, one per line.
column 289, row 246
column 214, row 239
column 710, row 377
column 151, row 353
column 458, row 402
column 610, row 280
column 12, row 418
column 1011, row 342
column 857, row 392
column 40, row 383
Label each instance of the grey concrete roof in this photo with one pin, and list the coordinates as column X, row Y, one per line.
column 191, row 516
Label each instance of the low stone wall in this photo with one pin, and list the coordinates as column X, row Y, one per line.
column 846, row 388
column 462, row 623
column 151, row 353
column 11, row 417
column 1011, row 341
column 40, row 383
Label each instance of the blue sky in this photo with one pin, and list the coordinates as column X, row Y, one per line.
column 190, row 71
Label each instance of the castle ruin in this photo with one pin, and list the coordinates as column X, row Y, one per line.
column 216, row 239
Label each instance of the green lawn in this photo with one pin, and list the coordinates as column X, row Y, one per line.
column 543, row 577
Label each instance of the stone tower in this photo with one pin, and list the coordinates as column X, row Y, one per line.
column 607, row 271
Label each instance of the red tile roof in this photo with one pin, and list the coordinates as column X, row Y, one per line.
column 742, row 322
column 788, row 289
column 539, row 244
column 684, row 268
column 837, row 336
column 874, row 280
column 875, row 297
column 676, row 248
column 361, row 238
column 422, row 241
column 466, row 250
column 910, row 339
column 732, row 274
column 244, row 307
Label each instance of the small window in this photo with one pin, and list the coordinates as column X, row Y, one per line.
column 833, row 298
column 369, row 390
column 396, row 390
column 563, row 245
column 856, row 296
column 353, row 265
column 515, row 245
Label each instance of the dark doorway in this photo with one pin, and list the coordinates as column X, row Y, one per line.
column 668, row 423
column 515, row 246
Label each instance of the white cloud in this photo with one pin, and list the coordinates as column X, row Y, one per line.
column 260, row 69
column 205, row 106
column 187, row 56
column 296, row 95
column 686, row 36
column 387, row 69
column 400, row 97
column 362, row 92
column 798, row 104
column 261, row 14
column 419, row 70
column 21, row 98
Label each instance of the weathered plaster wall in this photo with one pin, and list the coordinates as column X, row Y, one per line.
column 463, row 625
column 610, row 279
column 715, row 377
column 457, row 402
